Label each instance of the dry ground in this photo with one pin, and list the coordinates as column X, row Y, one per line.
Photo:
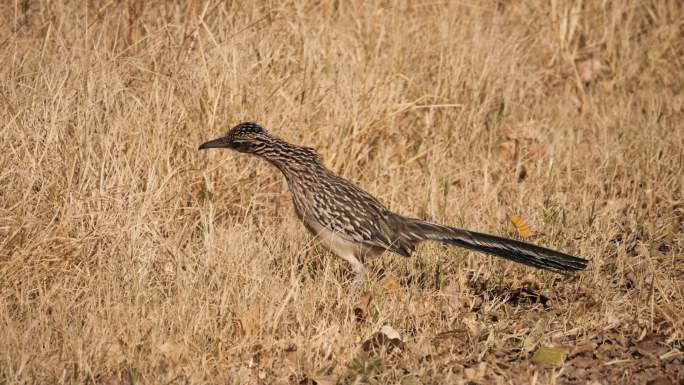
column 128, row 257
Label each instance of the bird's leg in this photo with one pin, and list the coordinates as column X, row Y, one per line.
column 360, row 271
column 360, row 274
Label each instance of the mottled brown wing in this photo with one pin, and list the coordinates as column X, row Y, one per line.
column 343, row 207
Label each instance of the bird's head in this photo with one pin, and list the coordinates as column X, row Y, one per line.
column 251, row 138
column 247, row 137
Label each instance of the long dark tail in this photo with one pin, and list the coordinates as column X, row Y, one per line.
column 510, row 249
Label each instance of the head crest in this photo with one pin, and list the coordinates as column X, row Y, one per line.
column 248, row 128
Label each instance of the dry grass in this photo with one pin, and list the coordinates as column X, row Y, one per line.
column 127, row 256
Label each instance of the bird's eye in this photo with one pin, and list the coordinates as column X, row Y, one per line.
column 240, row 145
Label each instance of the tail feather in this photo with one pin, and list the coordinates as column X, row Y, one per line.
column 521, row 252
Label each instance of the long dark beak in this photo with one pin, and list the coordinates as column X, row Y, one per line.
column 216, row 143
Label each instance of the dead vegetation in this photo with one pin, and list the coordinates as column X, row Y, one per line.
column 128, row 257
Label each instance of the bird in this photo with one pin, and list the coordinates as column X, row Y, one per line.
column 354, row 225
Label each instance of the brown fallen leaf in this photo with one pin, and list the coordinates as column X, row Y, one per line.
column 459, row 335
column 649, row 346
column 584, row 362
column 477, row 373
column 292, row 358
column 590, row 69
column 470, row 373
column 527, row 295
column 522, row 141
column 584, row 349
column 324, row 380
column 411, row 380
column 662, row 380
column 362, row 306
column 386, row 338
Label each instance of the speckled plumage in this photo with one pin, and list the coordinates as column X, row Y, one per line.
column 353, row 224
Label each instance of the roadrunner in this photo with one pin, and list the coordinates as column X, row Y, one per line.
column 354, row 225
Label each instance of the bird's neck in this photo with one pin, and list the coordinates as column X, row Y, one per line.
column 293, row 160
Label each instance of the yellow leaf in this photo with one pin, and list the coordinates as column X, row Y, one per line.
column 390, row 284
column 522, row 226
column 250, row 320
column 176, row 352
column 508, row 151
column 553, row 356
